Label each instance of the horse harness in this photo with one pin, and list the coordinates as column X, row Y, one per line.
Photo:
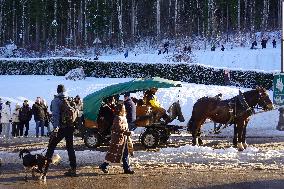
column 232, row 104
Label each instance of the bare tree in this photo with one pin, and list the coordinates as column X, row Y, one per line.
column 158, row 12
column 23, row 29
column 119, row 17
column 176, row 17
column 55, row 23
column 74, row 26
column 239, row 16
column 265, row 15
column 1, row 21
column 252, row 13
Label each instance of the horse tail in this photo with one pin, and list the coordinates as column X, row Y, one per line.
column 190, row 125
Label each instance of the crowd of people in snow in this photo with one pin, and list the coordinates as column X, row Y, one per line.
column 263, row 43
column 15, row 122
column 121, row 116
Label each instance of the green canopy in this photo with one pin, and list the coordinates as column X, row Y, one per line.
column 93, row 102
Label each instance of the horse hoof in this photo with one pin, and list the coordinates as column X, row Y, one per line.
column 240, row 147
column 200, row 142
column 245, row 145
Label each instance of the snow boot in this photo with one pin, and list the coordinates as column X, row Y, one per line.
column 71, row 173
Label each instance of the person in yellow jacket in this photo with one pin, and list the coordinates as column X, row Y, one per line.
column 151, row 100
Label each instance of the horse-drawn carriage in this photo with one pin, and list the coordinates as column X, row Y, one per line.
column 156, row 132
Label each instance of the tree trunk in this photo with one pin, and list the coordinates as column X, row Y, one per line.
column 227, row 20
column 55, row 24
column 210, row 19
column 1, row 21
column 264, row 15
column 176, row 17
column 23, row 32
column 158, row 20
column 198, row 17
column 85, row 24
column 119, row 16
column 252, row 13
column 80, row 24
column 43, row 43
column 14, row 23
column 69, row 22
column 37, row 32
column 280, row 14
column 133, row 20
column 245, row 17
column 239, row 16
column 74, row 27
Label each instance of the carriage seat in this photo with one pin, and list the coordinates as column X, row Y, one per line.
column 144, row 116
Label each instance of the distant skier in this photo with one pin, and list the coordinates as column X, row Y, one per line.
column 222, row 48
column 274, row 43
column 187, row 49
column 166, row 47
column 126, row 54
column 213, row 48
column 253, row 45
column 263, row 43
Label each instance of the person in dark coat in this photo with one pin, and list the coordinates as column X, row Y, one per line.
column 253, row 45
column 189, row 49
column 130, row 111
column 106, row 115
column 61, row 131
column 39, row 116
column 166, row 47
column 47, row 117
column 263, row 43
column 126, row 54
column 213, row 48
column 120, row 145
column 25, row 116
column 274, row 43
column 222, row 48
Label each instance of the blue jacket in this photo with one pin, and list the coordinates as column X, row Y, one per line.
column 55, row 108
column 130, row 110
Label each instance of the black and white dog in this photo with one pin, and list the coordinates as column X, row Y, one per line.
column 36, row 162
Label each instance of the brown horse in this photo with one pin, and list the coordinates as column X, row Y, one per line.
column 236, row 110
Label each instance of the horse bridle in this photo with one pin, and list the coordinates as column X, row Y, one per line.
column 261, row 98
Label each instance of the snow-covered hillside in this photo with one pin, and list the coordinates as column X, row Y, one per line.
column 237, row 58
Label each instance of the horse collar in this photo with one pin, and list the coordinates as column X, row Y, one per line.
column 244, row 103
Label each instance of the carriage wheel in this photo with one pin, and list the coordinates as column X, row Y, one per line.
column 92, row 140
column 150, row 139
column 164, row 136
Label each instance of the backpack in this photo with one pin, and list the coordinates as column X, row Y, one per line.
column 68, row 115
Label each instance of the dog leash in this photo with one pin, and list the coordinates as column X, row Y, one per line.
column 43, row 151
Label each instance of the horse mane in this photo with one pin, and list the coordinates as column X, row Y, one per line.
column 207, row 98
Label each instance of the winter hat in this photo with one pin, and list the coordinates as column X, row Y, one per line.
column 18, row 106
column 61, row 88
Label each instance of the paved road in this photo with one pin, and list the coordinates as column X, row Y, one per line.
column 149, row 177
